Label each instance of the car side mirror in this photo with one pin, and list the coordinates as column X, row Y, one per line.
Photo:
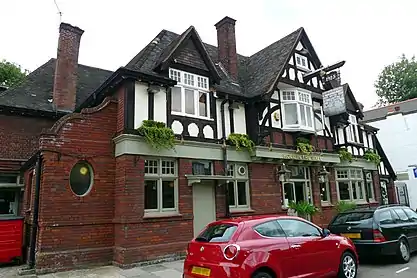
column 326, row 233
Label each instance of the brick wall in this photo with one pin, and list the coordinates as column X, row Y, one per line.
column 280, row 138
column 77, row 230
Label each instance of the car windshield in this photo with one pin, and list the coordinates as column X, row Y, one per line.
column 217, row 233
column 358, row 217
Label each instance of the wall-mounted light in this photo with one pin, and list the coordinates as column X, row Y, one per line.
column 323, row 175
column 284, row 174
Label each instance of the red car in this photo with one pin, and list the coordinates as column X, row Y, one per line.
column 269, row 247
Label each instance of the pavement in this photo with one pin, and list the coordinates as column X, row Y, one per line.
column 380, row 268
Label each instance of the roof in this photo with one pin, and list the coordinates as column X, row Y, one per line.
column 35, row 92
column 381, row 113
column 352, row 104
column 257, row 73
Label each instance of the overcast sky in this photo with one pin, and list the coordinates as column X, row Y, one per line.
column 368, row 34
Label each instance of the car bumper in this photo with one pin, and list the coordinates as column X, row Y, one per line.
column 372, row 249
column 222, row 270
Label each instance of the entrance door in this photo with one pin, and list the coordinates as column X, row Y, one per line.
column 204, row 205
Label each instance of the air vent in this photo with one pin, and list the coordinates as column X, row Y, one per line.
column 241, row 170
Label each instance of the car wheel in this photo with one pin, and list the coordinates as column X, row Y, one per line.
column 348, row 266
column 403, row 252
column 262, row 275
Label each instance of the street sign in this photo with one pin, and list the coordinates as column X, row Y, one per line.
column 415, row 172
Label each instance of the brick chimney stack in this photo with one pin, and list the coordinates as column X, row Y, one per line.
column 65, row 82
column 226, row 43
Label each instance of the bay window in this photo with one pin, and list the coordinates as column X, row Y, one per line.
column 350, row 185
column 297, row 110
column 190, row 97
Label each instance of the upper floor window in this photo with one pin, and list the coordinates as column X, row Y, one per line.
column 301, row 61
column 352, row 130
column 190, row 97
column 297, row 110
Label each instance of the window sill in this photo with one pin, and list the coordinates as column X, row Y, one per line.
column 152, row 215
column 326, row 204
column 242, row 210
column 297, row 129
column 191, row 116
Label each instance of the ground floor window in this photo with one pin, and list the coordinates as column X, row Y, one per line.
column 325, row 192
column 239, row 196
column 9, row 201
column 298, row 188
column 350, row 184
column 370, row 186
column 161, row 186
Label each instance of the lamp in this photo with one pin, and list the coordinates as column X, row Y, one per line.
column 284, row 174
column 323, row 175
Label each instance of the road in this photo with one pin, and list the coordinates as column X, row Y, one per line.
column 386, row 268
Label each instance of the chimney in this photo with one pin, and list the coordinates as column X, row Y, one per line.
column 226, row 42
column 65, row 82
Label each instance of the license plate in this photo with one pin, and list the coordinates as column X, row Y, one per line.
column 201, row 271
column 352, row 235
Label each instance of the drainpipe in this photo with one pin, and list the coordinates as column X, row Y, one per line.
column 35, row 213
column 225, row 169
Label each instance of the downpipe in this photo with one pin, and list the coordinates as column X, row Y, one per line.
column 224, row 148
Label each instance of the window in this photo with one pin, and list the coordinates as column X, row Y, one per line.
column 190, row 97
column 385, row 217
column 160, row 186
column 403, row 218
column 297, row 110
column 203, row 168
column 81, row 178
column 269, row 229
column 297, row 228
column 352, row 130
column 325, row 192
column 412, row 215
column 301, row 61
column 9, row 201
column 370, row 185
column 217, row 233
column 239, row 187
column 359, row 218
column 298, row 188
column 8, row 179
column 350, row 184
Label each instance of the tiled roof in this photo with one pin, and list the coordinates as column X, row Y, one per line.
column 404, row 107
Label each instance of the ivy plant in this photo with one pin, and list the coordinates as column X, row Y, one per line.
column 345, row 155
column 303, row 208
column 304, row 146
column 343, row 206
column 371, row 156
column 241, row 140
column 157, row 134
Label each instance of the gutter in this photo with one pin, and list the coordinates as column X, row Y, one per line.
column 225, row 168
column 33, row 236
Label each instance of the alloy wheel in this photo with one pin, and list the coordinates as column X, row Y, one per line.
column 405, row 253
column 349, row 266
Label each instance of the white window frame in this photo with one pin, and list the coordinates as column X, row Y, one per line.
column 353, row 181
column 17, row 193
column 303, row 100
column 307, row 186
column 199, row 84
column 159, row 177
column 233, row 171
column 302, row 58
column 352, row 131
column 370, row 179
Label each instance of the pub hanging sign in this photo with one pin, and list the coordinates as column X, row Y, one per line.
column 334, row 102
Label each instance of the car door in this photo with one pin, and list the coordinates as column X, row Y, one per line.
column 311, row 253
column 412, row 215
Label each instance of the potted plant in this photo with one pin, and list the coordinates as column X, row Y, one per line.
column 157, row 134
column 345, row 155
column 241, row 140
column 372, row 156
column 303, row 209
column 304, row 146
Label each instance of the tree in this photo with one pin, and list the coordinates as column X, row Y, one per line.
column 11, row 74
column 397, row 81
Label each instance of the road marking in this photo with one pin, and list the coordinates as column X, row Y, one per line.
column 402, row 269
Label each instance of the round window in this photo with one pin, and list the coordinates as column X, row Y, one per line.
column 81, row 178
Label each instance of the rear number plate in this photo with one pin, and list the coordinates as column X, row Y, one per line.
column 201, row 271
column 352, row 235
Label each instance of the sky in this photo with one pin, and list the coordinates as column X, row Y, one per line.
column 367, row 34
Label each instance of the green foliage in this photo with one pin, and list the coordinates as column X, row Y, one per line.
column 371, row 156
column 11, row 74
column 303, row 208
column 304, row 146
column 343, row 206
column 345, row 155
column 241, row 140
column 397, row 81
column 157, row 134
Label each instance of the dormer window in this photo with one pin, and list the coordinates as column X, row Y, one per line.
column 190, row 97
column 352, row 130
column 301, row 61
column 297, row 110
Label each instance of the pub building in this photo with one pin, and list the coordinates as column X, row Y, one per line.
column 101, row 190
